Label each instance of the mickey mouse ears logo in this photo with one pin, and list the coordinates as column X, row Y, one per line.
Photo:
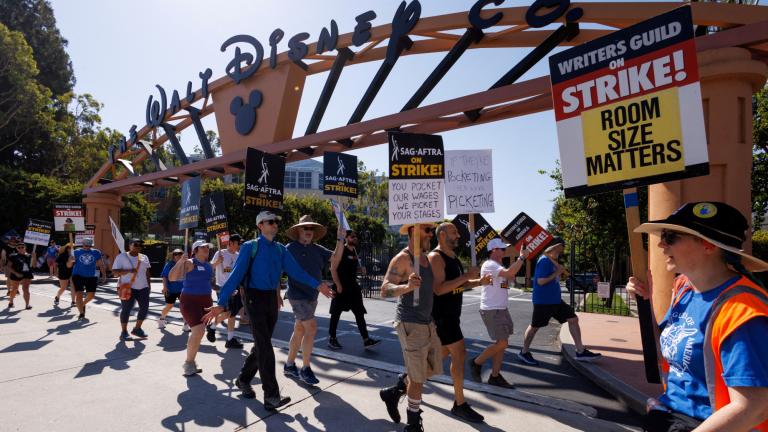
column 705, row 210
column 245, row 113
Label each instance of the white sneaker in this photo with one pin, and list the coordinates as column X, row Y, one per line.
column 186, row 328
column 161, row 323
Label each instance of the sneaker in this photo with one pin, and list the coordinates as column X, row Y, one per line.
column 291, row 371
column 334, row 344
column 273, row 403
column 138, row 332
column 233, row 343
column 123, row 334
column 464, row 411
column 190, row 369
column 210, row 334
column 587, row 356
column 475, row 369
column 370, row 342
column 307, row 376
column 161, row 323
column 245, row 388
column 186, row 328
column 527, row 358
column 55, row 301
column 499, row 381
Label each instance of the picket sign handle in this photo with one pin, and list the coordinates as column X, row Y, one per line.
column 648, row 328
column 416, row 258
column 186, row 240
column 472, row 239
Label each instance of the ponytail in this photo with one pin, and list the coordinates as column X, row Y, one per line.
column 734, row 260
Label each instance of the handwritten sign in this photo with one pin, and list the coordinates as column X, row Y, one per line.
column 468, row 181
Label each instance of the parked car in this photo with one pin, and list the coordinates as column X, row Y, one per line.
column 585, row 282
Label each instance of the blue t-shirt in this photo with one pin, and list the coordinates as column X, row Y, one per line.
column 173, row 287
column 52, row 251
column 744, row 354
column 312, row 258
column 548, row 293
column 85, row 262
column 198, row 280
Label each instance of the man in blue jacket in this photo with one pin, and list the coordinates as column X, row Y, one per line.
column 262, row 299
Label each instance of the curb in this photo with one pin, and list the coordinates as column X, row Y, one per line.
column 628, row 395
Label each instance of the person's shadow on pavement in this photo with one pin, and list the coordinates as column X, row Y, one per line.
column 116, row 359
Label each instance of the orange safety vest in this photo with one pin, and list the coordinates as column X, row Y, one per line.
column 737, row 304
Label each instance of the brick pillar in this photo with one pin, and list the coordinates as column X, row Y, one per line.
column 99, row 207
column 729, row 77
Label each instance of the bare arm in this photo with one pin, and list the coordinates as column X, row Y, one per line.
column 510, row 272
column 398, row 270
column 335, row 271
column 440, row 286
column 181, row 268
column 747, row 409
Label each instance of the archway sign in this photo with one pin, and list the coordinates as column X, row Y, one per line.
column 257, row 99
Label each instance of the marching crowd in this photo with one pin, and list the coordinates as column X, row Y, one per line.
column 715, row 363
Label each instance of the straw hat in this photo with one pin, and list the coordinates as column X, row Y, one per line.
column 306, row 221
column 715, row 222
column 404, row 228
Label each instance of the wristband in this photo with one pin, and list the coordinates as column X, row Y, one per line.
column 340, row 238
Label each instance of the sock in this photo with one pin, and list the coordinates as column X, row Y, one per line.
column 230, row 334
column 413, row 404
column 290, row 363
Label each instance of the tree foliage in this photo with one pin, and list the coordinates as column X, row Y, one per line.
column 760, row 157
column 136, row 213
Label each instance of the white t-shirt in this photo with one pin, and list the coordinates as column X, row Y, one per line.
column 494, row 296
column 125, row 261
column 224, row 269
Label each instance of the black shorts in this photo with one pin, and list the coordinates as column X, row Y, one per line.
column 235, row 303
column 448, row 329
column 662, row 421
column 171, row 297
column 87, row 284
column 543, row 312
column 25, row 275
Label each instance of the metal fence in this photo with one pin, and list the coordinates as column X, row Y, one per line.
column 374, row 260
column 582, row 283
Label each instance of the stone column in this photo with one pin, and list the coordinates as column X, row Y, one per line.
column 729, row 77
column 99, row 207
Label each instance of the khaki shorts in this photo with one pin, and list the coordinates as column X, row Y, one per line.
column 421, row 350
column 498, row 322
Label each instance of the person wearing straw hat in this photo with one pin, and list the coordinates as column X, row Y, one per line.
column 414, row 324
column 548, row 304
column 258, row 267
column 713, row 335
column 313, row 258
column 195, row 298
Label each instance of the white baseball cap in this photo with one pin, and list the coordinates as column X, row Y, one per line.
column 497, row 244
column 200, row 243
column 265, row 216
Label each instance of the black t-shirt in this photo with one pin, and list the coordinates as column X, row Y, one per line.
column 20, row 263
column 449, row 305
column 347, row 269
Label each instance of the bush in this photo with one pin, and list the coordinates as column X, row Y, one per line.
column 760, row 244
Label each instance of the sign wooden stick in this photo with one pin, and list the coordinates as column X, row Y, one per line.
column 186, row 240
column 416, row 258
column 648, row 328
column 472, row 239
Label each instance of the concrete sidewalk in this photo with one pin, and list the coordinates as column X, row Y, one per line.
column 620, row 371
column 61, row 374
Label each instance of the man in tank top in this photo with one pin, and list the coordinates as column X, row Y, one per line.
column 449, row 283
column 413, row 322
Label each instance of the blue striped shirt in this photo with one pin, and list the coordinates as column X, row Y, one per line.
column 268, row 265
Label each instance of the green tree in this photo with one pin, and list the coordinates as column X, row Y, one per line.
column 35, row 19
column 373, row 193
column 760, row 158
column 136, row 213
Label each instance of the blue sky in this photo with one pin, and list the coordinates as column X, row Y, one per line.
column 121, row 49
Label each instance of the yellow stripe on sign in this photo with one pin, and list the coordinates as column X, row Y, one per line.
column 635, row 138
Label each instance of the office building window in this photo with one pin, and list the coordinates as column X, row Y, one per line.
column 304, row 180
column 290, row 179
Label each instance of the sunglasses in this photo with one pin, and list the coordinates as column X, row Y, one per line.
column 428, row 230
column 672, row 237
column 270, row 222
column 352, row 236
column 178, row 254
column 139, row 245
column 308, row 228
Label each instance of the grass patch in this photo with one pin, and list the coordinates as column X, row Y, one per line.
column 594, row 304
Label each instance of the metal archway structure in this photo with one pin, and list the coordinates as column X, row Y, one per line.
column 744, row 26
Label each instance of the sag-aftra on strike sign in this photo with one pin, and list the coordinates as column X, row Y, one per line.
column 628, row 107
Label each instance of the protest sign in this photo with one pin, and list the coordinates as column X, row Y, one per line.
column 38, row 232
column 525, row 231
column 468, row 181
column 339, row 174
column 69, row 217
column 201, row 235
column 416, row 172
column 119, row 240
column 264, row 176
column 215, row 213
column 339, row 212
column 189, row 212
column 484, row 233
column 628, row 107
column 89, row 232
column 603, row 290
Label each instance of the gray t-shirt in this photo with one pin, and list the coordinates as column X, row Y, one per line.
column 421, row 314
column 312, row 258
